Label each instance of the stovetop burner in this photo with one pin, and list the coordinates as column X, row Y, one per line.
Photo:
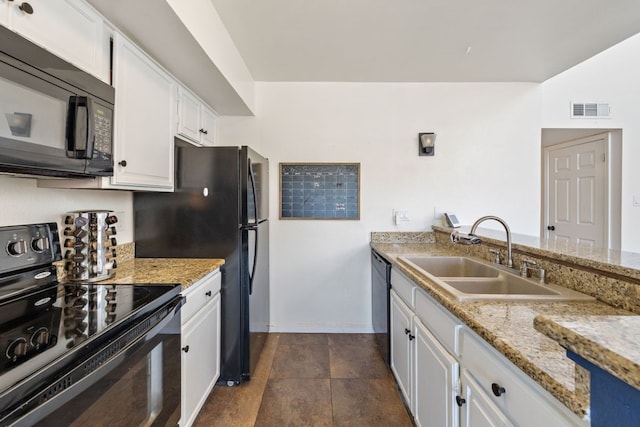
column 42, row 320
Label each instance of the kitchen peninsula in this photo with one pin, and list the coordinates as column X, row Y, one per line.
column 509, row 326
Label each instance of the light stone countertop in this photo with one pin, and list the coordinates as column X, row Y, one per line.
column 185, row 271
column 609, row 342
column 509, row 328
column 130, row 270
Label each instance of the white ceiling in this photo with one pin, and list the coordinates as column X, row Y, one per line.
column 423, row 40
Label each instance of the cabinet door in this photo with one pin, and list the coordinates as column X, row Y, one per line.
column 4, row 12
column 144, row 117
column 200, row 359
column 435, row 374
column 209, row 126
column 478, row 410
column 189, row 116
column 68, row 28
column 401, row 342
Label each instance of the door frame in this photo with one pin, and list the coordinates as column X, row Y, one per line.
column 612, row 184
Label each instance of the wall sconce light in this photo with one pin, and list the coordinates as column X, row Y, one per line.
column 426, row 144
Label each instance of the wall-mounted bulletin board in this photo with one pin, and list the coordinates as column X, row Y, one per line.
column 320, row 191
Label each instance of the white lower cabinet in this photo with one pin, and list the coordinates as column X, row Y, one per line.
column 401, row 344
column 449, row 376
column 436, row 378
column 509, row 389
column 200, row 345
column 426, row 372
column 477, row 410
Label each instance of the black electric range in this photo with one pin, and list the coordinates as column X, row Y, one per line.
column 47, row 328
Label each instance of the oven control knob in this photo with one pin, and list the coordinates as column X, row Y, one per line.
column 17, row 348
column 40, row 338
column 40, row 244
column 17, row 248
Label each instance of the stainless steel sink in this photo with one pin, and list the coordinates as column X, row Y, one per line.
column 469, row 280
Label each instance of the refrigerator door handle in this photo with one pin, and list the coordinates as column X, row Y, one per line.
column 255, row 258
column 253, row 191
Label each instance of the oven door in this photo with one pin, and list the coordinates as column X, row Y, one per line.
column 140, row 386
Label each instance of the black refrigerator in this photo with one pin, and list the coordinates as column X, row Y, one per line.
column 219, row 209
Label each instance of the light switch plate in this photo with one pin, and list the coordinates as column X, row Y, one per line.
column 400, row 216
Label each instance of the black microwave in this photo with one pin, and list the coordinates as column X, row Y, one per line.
column 56, row 119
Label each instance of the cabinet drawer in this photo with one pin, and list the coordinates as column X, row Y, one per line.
column 404, row 287
column 521, row 396
column 200, row 293
column 438, row 320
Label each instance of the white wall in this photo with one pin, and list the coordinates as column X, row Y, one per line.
column 487, row 162
column 611, row 76
column 24, row 203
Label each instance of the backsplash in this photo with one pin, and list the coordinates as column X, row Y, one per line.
column 403, row 237
column 125, row 252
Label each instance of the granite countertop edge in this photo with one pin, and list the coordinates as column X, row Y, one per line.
column 473, row 314
column 601, row 340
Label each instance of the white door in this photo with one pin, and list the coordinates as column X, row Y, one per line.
column 144, row 117
column 435, row 372
column 200, row 342
column 476, row 409
column 401, row 333
column 575, row 193
column 67, row 28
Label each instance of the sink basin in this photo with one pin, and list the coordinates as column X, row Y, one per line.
column 453, row 266
column 471, row 280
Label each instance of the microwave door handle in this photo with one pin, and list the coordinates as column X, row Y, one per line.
column 80, row 128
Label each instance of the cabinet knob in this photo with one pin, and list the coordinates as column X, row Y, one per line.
column 460, row 401
column 26, row 8
column 411, row 337
column 497, row 389
column 185, row 349
column 208, row 293
column 122, row 163
column 551, row 227
column 206, row 132
column 406, row 331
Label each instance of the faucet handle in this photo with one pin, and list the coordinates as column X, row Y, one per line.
column 496, row 252
column 524, row 269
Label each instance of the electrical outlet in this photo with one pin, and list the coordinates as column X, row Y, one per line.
column 123, row 221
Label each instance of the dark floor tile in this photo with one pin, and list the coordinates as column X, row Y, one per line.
column 352, row 339
column 295, row 403
column 303, row 339
column 295, row 361
column 357, row 361
column 371, row 403
column 238, row 406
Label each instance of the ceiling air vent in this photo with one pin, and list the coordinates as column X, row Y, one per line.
column 590, row 110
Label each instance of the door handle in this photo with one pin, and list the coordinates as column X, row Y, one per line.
column 551, row 227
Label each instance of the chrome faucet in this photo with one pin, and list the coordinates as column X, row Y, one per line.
column 506, row 228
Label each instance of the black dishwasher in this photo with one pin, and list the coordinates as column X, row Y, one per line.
column 380, row 286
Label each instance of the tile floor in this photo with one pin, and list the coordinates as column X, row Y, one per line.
column 311, row 380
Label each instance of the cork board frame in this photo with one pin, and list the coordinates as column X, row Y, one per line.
column 325, row 191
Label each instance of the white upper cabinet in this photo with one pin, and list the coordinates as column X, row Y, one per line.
column 4, row 12
column 69, row 28
column 144, row 117
column 197, row 123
